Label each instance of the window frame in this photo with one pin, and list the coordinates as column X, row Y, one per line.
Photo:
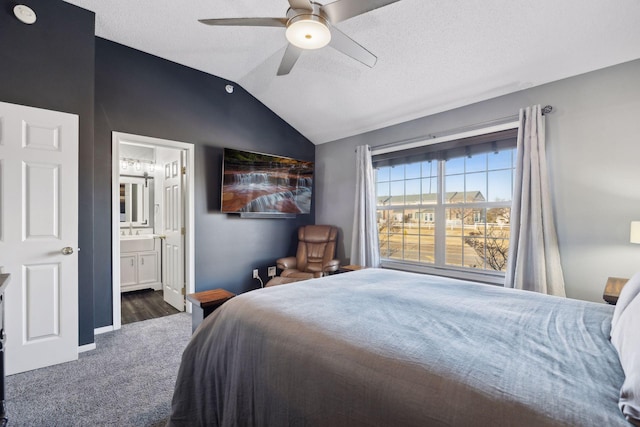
column 439, row 267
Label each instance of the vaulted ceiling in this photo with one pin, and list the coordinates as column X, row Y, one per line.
column 433, row 55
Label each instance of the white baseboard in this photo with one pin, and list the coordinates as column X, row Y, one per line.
column 103, row 330
column 86, row 347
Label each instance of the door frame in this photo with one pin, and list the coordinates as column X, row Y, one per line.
column 189, row 191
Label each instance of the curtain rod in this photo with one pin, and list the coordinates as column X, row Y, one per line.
column 545, row 110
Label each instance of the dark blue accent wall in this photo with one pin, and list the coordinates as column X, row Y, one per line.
column 145, row 95
column 50, row 65
column 59, row 64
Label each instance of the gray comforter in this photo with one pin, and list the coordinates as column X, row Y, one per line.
column 386, row 348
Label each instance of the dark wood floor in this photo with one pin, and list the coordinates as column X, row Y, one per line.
column 143, row 305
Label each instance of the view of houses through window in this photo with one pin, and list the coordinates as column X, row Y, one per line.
column 452, row 213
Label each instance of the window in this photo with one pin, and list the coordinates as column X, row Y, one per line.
column 448, row 208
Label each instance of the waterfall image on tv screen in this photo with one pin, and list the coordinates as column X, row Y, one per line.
column 255, row 182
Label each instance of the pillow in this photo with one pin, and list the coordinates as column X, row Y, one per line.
column 627, row 294
column 625, row 337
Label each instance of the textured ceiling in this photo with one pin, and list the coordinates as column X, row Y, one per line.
column 433, row 55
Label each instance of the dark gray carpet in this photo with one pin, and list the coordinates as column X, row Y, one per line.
column 127, row 381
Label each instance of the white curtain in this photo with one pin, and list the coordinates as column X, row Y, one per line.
column 534, row 258
column 365, row 249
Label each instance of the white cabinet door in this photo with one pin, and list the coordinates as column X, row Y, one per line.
column 39, row 235
column 147, row 267
column 128, row 269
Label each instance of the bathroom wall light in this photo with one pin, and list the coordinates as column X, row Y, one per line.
column 137, row 164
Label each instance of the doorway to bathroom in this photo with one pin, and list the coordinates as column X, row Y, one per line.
column 152, row 227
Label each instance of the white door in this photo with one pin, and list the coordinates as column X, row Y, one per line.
column 173, row 223
column 39, row 235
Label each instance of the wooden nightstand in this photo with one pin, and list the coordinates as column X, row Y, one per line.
column 612, row 289
column 205, row 302
column 348, row 268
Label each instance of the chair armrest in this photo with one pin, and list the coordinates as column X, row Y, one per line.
column 286, row 263
column 331, row 266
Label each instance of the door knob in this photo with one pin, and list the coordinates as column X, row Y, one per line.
column 68, row 250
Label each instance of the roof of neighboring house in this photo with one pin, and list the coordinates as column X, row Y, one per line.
column 430, row 198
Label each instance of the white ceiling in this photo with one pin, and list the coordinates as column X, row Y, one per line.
column 433, row 55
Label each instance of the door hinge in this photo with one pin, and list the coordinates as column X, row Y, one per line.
column 183, row 291
column 184, row 170
column 182, row 231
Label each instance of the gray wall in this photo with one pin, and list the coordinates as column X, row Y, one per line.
column 50, row 65
column 593, row 149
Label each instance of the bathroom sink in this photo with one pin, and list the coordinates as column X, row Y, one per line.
column 138, row 236
column 137, row 243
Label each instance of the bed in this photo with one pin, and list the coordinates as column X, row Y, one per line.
column 379, row 347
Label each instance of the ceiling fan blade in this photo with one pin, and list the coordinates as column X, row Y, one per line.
column 300, row 4
column 289, row 59
column 251, row 22
column 340, row 41
column 340, row 10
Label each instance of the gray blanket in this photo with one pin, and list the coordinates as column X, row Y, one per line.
column 387, row 348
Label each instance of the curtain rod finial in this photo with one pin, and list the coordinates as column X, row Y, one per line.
column 547, row 109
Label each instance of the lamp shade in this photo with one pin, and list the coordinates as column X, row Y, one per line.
column 635, row 232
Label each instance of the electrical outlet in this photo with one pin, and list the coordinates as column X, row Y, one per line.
column 271, row 271
column 255, row 273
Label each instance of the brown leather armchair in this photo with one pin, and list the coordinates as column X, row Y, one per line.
column 314, row 257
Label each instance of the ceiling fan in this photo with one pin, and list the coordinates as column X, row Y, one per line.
column 310, row 25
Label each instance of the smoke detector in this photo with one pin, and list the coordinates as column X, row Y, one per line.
column 25, row 14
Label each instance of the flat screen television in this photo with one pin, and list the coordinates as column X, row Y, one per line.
column 265, row 184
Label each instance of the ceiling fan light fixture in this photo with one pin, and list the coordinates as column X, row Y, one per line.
column 308, row 31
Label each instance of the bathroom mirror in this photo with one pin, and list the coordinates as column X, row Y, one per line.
column 136, row 201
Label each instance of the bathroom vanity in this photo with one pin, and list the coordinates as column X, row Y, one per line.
column 140, row 262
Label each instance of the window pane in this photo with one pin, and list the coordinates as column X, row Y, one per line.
column 429, row 169
column 476, row 163
column 395, row 246
column 501, row 160
column 412, row 170
column 397, row 193
column 412, row 191
column 382, row 193
column 454, row 166
column 396, row 172
column 473, row 222
column 454, row 188
column 476, row 187
column 500, row 186
column 429, row 191
column 383, row 231
column 427, row 222
column 497, row 250
column 500, row 217
column 411, row 246
column 382, row 174
column 411, row 222
column 474, row 252
column 427, row 249
column 453, row 221
column 453, row 251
